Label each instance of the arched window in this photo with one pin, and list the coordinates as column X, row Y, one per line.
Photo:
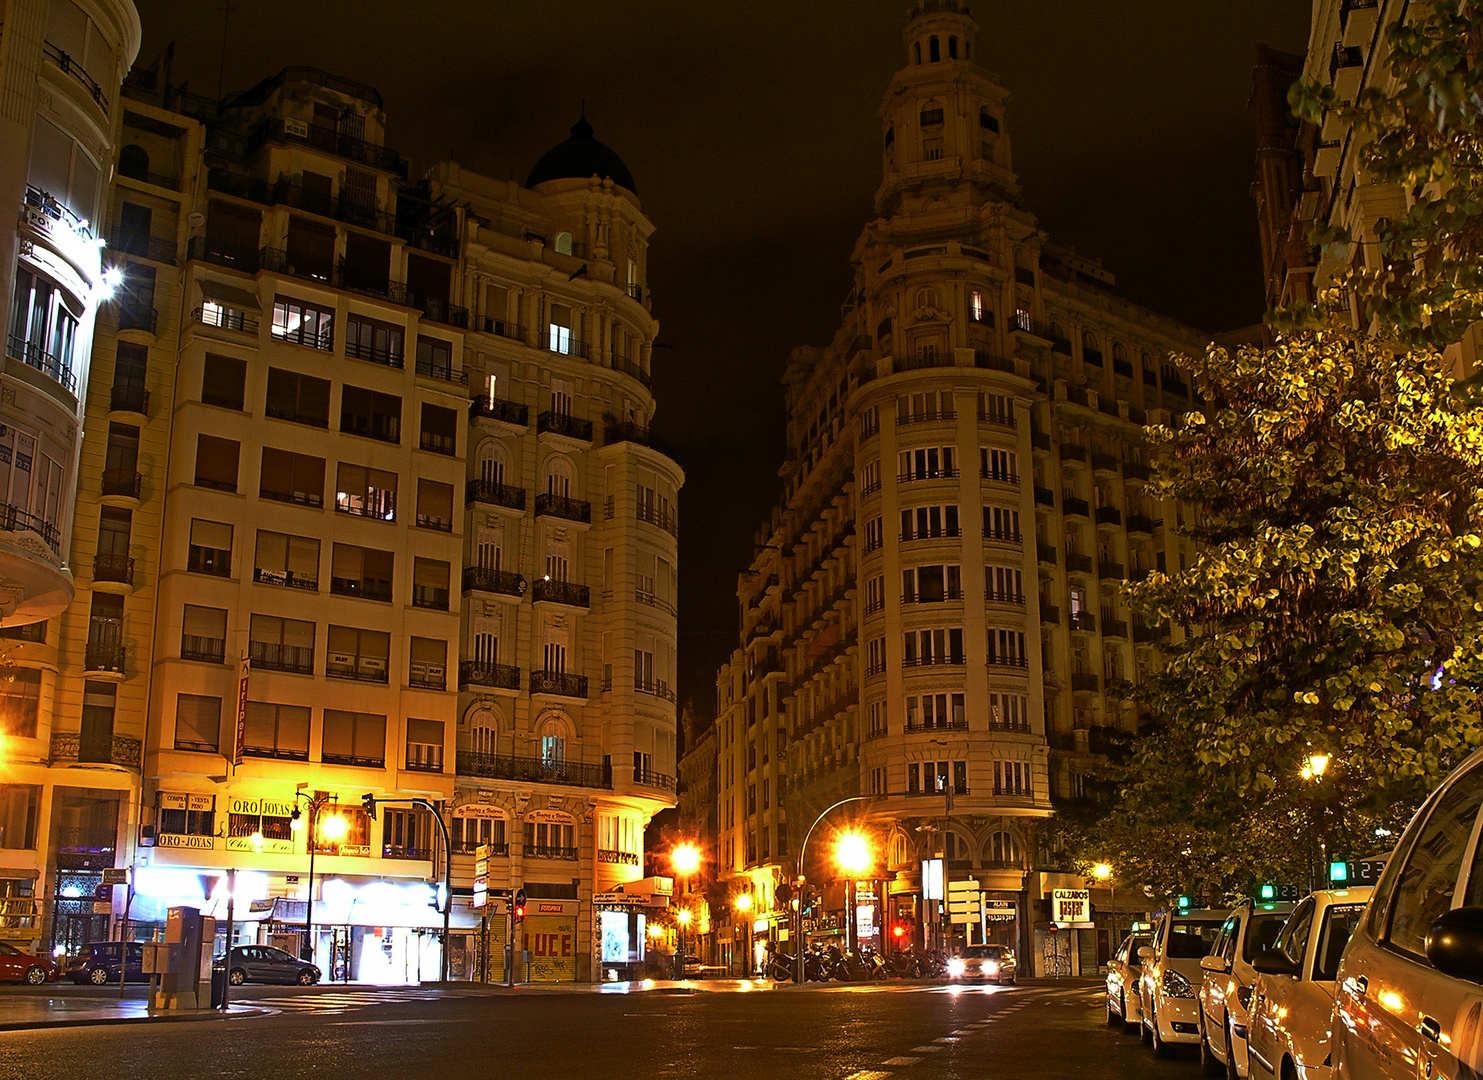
column 927, row 298
column 952, row 47
column 1091, row 348
column 563, row 243
column 1003, row 849
column 559, row 478
column 483, row 731
column 976, row 305
column 491, row 462
column 133, row 162
column 957, row 849
column 900, row 853
column 934, row 51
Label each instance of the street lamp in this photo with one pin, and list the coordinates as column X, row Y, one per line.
column 743, row 905
column 685, row 860
column 1313, row 768
column 852, row 853
column 1103, row 872
column 332, row 828
column 802, row 876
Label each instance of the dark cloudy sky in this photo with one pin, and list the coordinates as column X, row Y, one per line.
column 750, row 127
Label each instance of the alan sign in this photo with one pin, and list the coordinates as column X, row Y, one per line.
column 1070, row 905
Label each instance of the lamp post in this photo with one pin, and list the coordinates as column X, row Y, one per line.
column 743, row 906
column 852, row 855
column 685, row 860
column 1314, row 766
column 802, row 876
column 1103, row 873
column 333, row 829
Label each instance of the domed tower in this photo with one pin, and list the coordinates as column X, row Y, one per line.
column 942, row 119
column 580, row 158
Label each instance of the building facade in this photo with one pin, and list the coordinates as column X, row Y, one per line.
column 61, row 65
column 932, row 624
column 348, row 529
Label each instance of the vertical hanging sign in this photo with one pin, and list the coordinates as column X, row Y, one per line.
column 242, row 678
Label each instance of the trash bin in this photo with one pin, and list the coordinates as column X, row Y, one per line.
column 218, row 987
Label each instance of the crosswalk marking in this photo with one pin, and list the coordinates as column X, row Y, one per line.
column 901, row 1060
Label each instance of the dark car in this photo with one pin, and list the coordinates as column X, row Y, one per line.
column 991, row 963
column 99, row 963
column 265, row 964
column 21, row 966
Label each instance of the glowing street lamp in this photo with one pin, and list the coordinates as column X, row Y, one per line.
column 1313, row 768
column 852, row 853
column 684, row 917
column 333, row 828
column 685, row 859
column 1103, row 872
column 743, row 902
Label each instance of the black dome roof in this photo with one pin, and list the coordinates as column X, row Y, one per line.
column 580, row 157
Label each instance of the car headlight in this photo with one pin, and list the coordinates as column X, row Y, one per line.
column 991, row 967
column 956, row 966
column 1243, row 995
column 1176, row 985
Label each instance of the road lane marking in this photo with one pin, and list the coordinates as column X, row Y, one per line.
column 925, row 1048
column 868, row 1074
column 902, row 1060
column 947, row 1040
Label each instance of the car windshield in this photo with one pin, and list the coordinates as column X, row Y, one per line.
column 1262, row 934
column 1138, row 942
column 984, row 952
column 1191, row 939
column 1339, row 922
column 278, row 956
column 9, row 950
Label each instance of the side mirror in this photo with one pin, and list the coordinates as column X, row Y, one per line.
column 1454, row 945
column 1218, row 964
column 1276, row 962
column 1145, row 953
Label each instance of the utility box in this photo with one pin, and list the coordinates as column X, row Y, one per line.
column 189, row 938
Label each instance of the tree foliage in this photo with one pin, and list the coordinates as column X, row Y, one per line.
column 1333, row 487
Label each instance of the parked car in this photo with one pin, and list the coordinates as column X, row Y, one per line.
column 265, row 964
column 99, row 963
column 1293, row 1001
column 1408, row 999
column 17, row 965
column 1171, row 971
column 1123, row 972
column 1225, row 991
column 990, row 963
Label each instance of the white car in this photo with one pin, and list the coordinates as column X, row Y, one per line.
column 1292, row 1006
column 1122, row 982
column 1171, row 971
column 1225, row 992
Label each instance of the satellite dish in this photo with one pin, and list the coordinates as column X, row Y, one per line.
column 197, row 219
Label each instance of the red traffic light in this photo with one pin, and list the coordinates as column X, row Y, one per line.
column 520, row 912
column 898, row 930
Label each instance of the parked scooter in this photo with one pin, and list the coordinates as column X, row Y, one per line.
column 779, row 966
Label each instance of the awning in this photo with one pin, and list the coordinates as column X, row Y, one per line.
column 240, row 299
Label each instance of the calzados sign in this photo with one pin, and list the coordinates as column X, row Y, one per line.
column 1070, row 905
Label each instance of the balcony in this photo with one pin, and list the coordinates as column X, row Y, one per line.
column 657, row 688
column 1141, row 523
column 493, row 493
column 1081, row 564
column 484, row 407
column 1073, row 452
column 478, row 673
column 1003, row 660
column 559, row 683
column 1109, row 515
column 1049, row 613
column 422, row 675
column 532, row 769
column 105, row 656
column 483, row 579
column 160, row 249
column 115, row 568
column 563, row 506
column 1111, row 571
column 272, row 656
column 437, row 310
column 66, row 746
column 133, row 315
column 206, row 249
column 1105, row 463
column 367, row 669
column 442, row 370
column 550, row 851
column 379, row 591
column 561, row 592
column 650, row 778
column 945, row 725
column 632, row 370
column 33, row 355
column 1081, row 680
column 1083, row 620
column 432, row 597
column 207, row 650
column 1044, row 496
column 634, row 433
column 128, row 397
column 927, row 416
column 1114, row 627
column 1046, row 553
column 1040, row 440
column 323, row 137
column 564, row 424
column 286, row 578
column 123, row 482
column 661, row 516
column 1135, row 470
column 1073, row 507
column 997, row 596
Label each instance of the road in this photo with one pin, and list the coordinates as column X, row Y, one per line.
column 897, row 1031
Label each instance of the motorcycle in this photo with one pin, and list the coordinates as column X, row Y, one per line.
column 779, row 967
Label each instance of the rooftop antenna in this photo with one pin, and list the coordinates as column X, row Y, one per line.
column 221, row 71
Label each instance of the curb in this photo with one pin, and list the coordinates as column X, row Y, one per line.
column 198, row 1016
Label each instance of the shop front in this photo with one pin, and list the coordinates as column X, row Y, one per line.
column 622, row 927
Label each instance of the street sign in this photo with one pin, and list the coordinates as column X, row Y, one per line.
column 999, row 910
column 116, row 875
column 964, row 902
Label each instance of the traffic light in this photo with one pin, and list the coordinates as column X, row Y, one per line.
column 1338, row 872
column 1268, row 891
column 1184, row 903
column 898, row 930
column 520, row 912
column 369, row 802
column 518, row 905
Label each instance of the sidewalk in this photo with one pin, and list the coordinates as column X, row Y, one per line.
column 45, row 1011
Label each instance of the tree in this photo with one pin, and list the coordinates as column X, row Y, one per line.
column 1333, row 486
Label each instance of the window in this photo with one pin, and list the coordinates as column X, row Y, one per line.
column 996, row 408
column 975, row 305
column 560, row 336
column 987, row 120
column 362, row 572
column 927, row 711
column 1012, row 778
column 1002, row 523
column 874, row 534
column 366, row 339
column 1009, row 710
column 278, row 644
column 425, row 745
column 925, row 407
column 186, row 815
column 223, row 381
column 1424, row 888
column 434, row 505
column 876, row 714
column 430, row 584
column 1001, row 465
column 357, row 654
column 875, row 656
column 203, row 634
column 352, row 738
column 875, row 594
column 1003, row 849
column 216, row 462
column 407, row 834
column 435, row 358
column 553, row 751
column 550, row 840
column 932, row 149
column 1005, row 584
column 870, row 477
column 300, row 323
column 930, row 647
column 197, row 723
column 302, row 399
column 366, row 492
column 471, row 833
column 20, row 701
column 870, row 421
column 370, row 413
column 1007, row 647
column 928, row 463
column 931, row 584
column 43, row 329
column 277, row 731
column 291, row 561
column 428, row 664
column 439, row 430
column 290, row 477
column 929, row 522
column 210, row 548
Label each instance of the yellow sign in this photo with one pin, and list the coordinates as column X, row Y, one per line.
column 180, row 840
column 261, row 807
column 247, row 843
column 552, row 943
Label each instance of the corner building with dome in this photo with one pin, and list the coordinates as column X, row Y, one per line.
column 931, row 621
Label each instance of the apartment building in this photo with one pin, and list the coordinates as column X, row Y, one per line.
column 931, row 626
column 312, row 571
column 61, row 64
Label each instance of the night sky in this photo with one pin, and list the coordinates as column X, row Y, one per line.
column 750, row 128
